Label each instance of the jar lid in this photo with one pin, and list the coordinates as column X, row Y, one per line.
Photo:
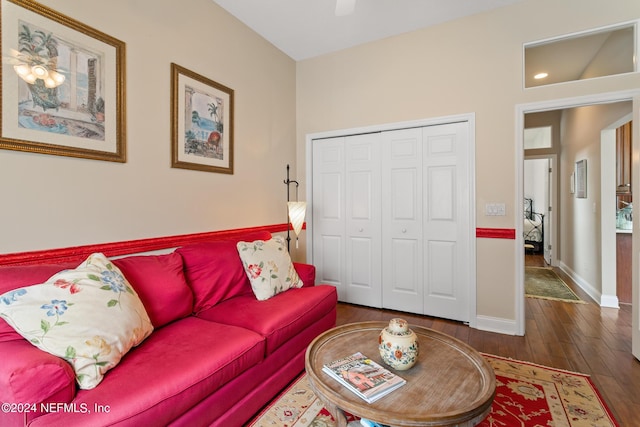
column 398, row 326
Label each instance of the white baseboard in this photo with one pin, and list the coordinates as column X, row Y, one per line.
column 610, row 301
column 496, row 324
column 600, row 299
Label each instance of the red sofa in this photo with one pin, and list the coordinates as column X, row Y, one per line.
column 216, row 356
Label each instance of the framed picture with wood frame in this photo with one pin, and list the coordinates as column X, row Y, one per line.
column 62, row 85
column 201, row 121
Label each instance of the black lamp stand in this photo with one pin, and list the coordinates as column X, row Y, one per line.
column 288, row 182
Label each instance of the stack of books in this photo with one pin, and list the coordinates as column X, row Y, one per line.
column 364, row 377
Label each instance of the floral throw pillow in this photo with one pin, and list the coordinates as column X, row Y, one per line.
column 89, row 316
column 268, row 266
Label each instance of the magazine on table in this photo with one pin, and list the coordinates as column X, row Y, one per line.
column 363, row 376
column 368, row 423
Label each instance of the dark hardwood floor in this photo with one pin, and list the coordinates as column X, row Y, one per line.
column 576, row 337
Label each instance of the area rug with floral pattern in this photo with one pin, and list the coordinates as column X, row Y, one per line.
column 526, row 395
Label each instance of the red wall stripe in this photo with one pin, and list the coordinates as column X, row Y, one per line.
column 496, row 233
column 79, row 253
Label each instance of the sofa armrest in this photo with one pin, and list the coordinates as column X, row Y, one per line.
column 307, row 273
column 29, row 375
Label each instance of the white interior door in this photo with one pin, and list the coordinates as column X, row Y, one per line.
column 363, row 224
column 328, row 210
column 402, row 218
column 546, row 221
column 446, row 222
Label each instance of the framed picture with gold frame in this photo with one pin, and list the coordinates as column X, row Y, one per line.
column 63, row 85
column 201, row 121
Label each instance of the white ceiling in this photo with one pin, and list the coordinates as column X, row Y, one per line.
column 306, row 28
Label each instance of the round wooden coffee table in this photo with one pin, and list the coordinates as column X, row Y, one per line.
column 450, row 385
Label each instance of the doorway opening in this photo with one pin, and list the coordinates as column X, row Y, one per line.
column 578, row 221
column 540, row 183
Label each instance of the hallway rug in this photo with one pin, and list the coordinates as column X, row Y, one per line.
column 526, row 395
column 543, row 282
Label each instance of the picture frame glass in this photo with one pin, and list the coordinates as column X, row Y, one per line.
column 62, row 85
column 203, row 123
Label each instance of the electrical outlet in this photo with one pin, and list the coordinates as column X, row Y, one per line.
column 495, row 209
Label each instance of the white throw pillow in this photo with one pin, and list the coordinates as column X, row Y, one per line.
column 90, row 316
column 268, row 266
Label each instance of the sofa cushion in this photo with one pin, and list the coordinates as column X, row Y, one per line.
column 12, row 277
column 214, row 270
column 90, row 316
column 278, row 319
column 268, row 266
column 306, row 272
column 30, row 375
column 179, row 365
column 160, row 283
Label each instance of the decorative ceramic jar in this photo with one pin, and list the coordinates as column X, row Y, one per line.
column 398, row 345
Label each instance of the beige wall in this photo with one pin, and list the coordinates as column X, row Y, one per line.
column 469, row 65
column 51, row 202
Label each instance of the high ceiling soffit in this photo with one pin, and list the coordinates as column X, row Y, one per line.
column 307, row 28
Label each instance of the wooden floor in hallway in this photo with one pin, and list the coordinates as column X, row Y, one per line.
column 581, row 338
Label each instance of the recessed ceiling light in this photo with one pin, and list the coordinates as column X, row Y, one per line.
column 345, row 7
column 540, row 75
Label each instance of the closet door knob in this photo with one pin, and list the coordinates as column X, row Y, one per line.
column 404, row 230
column 361, row 230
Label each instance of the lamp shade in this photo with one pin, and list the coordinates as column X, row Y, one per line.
column 297, row 211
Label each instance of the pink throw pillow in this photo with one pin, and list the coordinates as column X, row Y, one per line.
column 214, row 270
column 160, row 283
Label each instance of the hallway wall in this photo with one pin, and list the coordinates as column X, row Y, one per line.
column 580, row 221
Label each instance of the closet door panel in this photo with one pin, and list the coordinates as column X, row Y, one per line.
column 404, row 192
column 330, row 260
column 360, row 258
column 441, row 269
column 404, row 282
column 362, row 200
column 441, row 194
column 328, row 212
column 446, row 230
column 402, row 220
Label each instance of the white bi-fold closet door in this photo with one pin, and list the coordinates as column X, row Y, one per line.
column 391, row 218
